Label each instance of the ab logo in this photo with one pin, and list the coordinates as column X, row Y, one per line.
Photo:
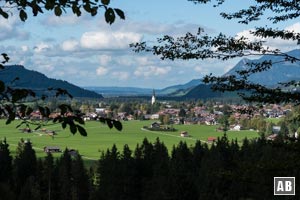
column 284, row 185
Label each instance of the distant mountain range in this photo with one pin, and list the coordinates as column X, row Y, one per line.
column 279, row 72
column 195, row 89
column 40, row 83
column 135, row 91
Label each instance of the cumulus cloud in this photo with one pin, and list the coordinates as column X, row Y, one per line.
column 277, row 43
column 201, row 70
column 42, row 47
column 105, row 59
column 53, row 20
column 295, row 27
column 10, row 29
column 70, row 45
column 108, row 40
column 101, row 71
column 151, row 71
column 122, row 75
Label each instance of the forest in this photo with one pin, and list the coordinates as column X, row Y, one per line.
column 225, row 170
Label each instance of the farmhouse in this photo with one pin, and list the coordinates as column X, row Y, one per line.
column 184, row 134
column 211, row 139
column 235, row 128
column 155, row 125
column 52, row 149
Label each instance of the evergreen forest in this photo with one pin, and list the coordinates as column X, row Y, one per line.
column 223, row 170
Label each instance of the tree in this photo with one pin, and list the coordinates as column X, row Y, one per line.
column 201, row 46
column 25, row 165
column 5, row 162
column 58, row 7
column 12, row 98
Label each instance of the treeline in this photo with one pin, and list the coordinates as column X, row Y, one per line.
column 226, row 170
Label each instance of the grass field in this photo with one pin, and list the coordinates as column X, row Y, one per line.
column 100, row 137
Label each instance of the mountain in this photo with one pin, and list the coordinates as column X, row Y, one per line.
column 38, row 82
column 279, row 72
column 135, row 91
column 177, row 88
column 120, row 91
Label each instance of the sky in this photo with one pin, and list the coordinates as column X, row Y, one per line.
column 86, row 51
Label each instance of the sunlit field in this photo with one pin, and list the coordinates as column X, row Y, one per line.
column 100, row 137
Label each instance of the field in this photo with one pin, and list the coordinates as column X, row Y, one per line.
column 100, row 137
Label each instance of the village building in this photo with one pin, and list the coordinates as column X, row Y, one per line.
column 211, row 139
column 184, row 134
column 52, row 149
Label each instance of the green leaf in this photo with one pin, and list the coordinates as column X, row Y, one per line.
column 29, row 110
column 10, row 118
column 23, row 15
column 47, row 112
column 22, row 110
column 42, row 111
column 105, row 2
column 102, row 120
column 73, row 128
column 57, row 11
column 109, row 16
column 118, row 125
column 120, row 13
column 109, row 123
column 87, row 7
column 23, row 122
column 79, row 120
column 81, row 130
column 56, row 119
column 4, row 14
column 2, row 86
column 64, row 125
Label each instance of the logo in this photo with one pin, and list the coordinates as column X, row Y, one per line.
column 284, row 185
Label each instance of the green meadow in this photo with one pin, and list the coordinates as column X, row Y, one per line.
column 100, row 137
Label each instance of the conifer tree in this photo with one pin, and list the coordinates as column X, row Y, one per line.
column 5, row 162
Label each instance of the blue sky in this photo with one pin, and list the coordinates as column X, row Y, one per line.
column 88, row 52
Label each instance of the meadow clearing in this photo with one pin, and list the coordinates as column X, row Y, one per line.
column 100, row 137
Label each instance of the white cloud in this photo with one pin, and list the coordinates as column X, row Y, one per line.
column 277, row 43
column 105, row 59
column 123, row 76
column 70, row 45
column 101, row 71
column 295, row 27
column 53, row 20
column 152, row 71
column 25, row 48
column 10, row 29
column 201, row 70
column 42, row 47
column 108, row 40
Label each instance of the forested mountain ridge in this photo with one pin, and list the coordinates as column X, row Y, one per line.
column 279, row 72
column 40, row 83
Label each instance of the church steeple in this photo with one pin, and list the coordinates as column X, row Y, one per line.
column 153, row 97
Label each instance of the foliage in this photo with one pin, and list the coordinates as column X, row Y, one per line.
column 201, row 46
column 12, row 98
column 224, row 171
column 58, row 7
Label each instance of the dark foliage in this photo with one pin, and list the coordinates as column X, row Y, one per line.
column 223, row 171
column 202, row 46
column 13, row 97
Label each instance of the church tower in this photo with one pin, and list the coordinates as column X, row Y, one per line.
column 153, row 97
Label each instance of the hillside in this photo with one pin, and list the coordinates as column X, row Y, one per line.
column 279, row 72
column 120, row 91
column 38, row 82
column 181, row 87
